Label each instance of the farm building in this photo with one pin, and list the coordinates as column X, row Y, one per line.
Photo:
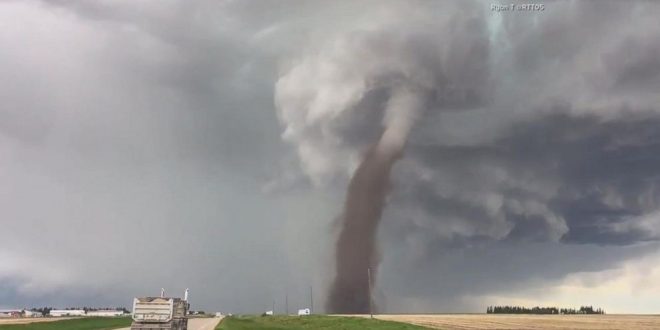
column 10, row 313
column 63, row 312
column 304, row 311
column 28, row 313
column 105, row 313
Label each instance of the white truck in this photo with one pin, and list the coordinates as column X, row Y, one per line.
column 160, row 313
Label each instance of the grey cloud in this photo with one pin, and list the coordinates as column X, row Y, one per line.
column 599, row 172
column 536, row 158
column 635, row 64
column 331, row 100
column 124, row 134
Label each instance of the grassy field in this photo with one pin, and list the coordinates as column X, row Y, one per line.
column 310, row 322
column 529, row 322
column 87, row 323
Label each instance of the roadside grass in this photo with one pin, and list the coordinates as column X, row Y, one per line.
column 87, row 323
column 309, row 322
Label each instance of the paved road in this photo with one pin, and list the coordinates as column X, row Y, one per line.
column 199, row 324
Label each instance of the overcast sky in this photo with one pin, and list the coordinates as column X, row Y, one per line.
column 208, row 144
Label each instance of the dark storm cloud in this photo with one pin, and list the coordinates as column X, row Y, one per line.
column 603, row 172
column 635, row 65
column 558, row 149
column 125, row 119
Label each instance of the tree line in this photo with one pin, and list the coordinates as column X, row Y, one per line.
column 542, row 310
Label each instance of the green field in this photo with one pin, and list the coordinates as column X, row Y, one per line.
column 88, row 323
column 309, row 322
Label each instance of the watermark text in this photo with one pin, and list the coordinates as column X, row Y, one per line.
column 521, row 7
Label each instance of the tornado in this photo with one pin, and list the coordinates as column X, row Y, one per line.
column 347, row 106
column 356, row 249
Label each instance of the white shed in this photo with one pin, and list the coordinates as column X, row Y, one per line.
column 105, row 313
column 304, row 311
column 67, row 312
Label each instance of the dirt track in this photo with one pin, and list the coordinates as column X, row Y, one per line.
column 26, row 320
column 529, row 322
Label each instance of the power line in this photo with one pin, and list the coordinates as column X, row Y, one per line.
column 311, row 300
column 369, row 279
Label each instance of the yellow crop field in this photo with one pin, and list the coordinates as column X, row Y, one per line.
column 528, row 322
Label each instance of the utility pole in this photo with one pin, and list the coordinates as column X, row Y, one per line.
column 286, row 303
column 371, row 312
column 273, row 307
column 311, row 300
